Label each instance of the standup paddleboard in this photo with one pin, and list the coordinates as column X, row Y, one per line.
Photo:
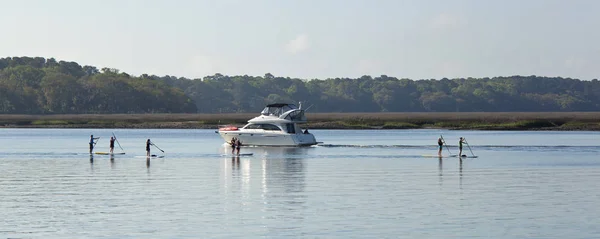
column 106, row 153
column 152, row 156
column 237, row 155
column 466, row 156
column 433, row 156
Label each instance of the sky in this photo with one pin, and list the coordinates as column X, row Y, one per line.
column 311, row 39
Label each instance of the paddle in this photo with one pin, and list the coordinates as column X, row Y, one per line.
column 469, row 148
column 444, row 141
column 118, row 142
column 158, row 148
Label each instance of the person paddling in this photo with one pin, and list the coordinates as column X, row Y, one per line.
column 112, row 144
column 460, row 145
column 238, row 145
column 440, row 146
column 148, row 143
column 232, row 143
column 92, row 142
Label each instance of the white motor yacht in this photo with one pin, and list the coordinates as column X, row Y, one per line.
column 277, row 125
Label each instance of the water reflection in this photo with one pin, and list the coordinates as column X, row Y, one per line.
column 112, row 162
column 92, row 163
column 285, row 152
column 283, row 184
column 235, row 166
column 440, row 171
column 460, row 172
column 285, row 169
column 278, row 173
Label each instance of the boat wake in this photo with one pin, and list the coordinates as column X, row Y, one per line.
column 371, row 146
column 532, row 148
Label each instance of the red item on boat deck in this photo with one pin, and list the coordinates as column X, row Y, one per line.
column 228, row 128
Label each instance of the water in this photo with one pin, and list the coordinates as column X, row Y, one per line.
column 358, row 184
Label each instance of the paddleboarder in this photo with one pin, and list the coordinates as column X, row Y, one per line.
column 460, row 145
column 148, row 143
column 440, row 146
column 232, row 143
column 112, row 144
column 238, row 145
column 92, row 142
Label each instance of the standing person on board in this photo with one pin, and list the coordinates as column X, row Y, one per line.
column 148, row 143
column 112, row 144
column 238, row 145
column 232, row 143
column 92, row 143
column 440, row 146
column 460, row 145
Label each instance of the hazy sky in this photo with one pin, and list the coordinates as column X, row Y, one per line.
column 311, row 39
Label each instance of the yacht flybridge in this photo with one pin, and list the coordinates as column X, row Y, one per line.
column 277, row 125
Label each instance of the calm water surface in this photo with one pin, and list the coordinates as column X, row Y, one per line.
column 357, row 184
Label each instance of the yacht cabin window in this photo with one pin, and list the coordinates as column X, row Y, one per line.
column 263, row 127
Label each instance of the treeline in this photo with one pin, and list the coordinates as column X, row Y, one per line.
column 42, row 86
column 45, row 86
column 220, row 93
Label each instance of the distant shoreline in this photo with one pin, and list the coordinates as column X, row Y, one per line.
column 558, row 121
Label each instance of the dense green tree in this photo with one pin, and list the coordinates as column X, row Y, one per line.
column 39, row 86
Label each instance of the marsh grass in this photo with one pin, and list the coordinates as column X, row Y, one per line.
column 413, row 120
column 50, row 122
column 400, row 125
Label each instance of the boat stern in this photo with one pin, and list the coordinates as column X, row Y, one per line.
column 305, row 139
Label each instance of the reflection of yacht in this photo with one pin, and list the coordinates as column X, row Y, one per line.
column 277, row 125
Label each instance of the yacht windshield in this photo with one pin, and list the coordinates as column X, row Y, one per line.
column 277, row 109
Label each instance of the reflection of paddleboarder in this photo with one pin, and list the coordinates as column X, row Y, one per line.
column 92, row 142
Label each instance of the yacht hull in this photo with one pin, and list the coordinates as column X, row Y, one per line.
column 254, row 138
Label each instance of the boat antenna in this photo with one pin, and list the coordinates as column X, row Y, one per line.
column 308, row 107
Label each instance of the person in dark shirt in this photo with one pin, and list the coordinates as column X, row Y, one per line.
column 440, row 146
column 92, row 142
column 232, row 143
column 238, row 145
column 112, row 144
column 148, row 143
